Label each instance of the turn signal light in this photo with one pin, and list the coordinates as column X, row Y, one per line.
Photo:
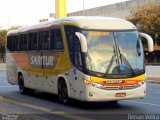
column 86, row 82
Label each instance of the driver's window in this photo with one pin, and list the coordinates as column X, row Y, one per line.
column 73, row 46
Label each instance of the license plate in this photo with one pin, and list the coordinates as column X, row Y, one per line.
column 120, row 94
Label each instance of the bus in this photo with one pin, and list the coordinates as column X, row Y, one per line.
column 84, row 58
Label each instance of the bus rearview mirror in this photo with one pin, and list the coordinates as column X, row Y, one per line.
column 149, row 41
column 83, row 41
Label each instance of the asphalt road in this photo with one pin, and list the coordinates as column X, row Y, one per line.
column 46, row 106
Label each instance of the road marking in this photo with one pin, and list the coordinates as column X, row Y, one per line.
column 43, row 109
column 10, row 110
column 144, row 103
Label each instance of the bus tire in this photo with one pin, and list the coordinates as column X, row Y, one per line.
column 114, row 102
column 22, row 88
column 62, row 92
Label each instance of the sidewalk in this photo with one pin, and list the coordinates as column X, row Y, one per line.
column 153, row 72
column 2, row 66
column 9, row 110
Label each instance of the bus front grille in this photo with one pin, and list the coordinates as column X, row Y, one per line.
column 128, row 87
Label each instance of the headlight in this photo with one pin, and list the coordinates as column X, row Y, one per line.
column 98, row 85
column 86, row 81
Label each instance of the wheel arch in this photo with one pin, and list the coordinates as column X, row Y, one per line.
column 62, row 78
column 19, row 73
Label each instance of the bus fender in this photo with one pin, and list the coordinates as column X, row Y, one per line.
column 63, row 77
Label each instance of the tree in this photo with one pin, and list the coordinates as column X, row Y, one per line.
column 3, row 34
column 2, row 43
column 3, row 37
column 147, row 17
column 15, row 27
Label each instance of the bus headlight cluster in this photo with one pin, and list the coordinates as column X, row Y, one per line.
column 93, row 84
column 97, row 85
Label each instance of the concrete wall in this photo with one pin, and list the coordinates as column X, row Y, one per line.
column 153, row 72
column 120, row 10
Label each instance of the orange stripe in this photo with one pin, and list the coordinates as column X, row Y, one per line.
column 21, row 59
column 125, row 82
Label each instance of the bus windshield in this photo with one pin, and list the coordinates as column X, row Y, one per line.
column 114, row 53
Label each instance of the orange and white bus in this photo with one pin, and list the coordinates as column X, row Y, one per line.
column 85, row 58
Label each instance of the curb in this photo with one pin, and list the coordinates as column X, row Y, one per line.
column 2, row 69
column 2, row 66
column 153, row 78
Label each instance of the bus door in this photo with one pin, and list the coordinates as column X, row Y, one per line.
column 75, row 57
column 75, row 76
column 77, row 61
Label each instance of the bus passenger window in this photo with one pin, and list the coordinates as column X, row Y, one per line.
column 56, row 42
column 9, row 43
column 46, row 40
column 23, row 42
column 16, row 43
column 13, row 43
column 43, row 40
column 40, row 40
column 32, row 42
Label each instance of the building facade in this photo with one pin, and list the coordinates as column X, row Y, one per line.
column 122, row 10
column 119, row 10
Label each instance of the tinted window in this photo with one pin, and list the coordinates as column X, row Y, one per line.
column 12, row 43
column 73, row 45
column 15, row 43
column 23, row 42
column 40, row 40
column 44, row 40
column 56, row 42
column 9, row 43
column 32, row 41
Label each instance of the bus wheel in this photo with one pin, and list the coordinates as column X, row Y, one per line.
column 114, row 102
column 22, row 88
column 62, row 92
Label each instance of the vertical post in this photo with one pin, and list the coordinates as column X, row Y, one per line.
column 8, row 22
column 83, row 8
column 61, row 10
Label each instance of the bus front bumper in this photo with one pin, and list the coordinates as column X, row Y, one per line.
column 97, row 94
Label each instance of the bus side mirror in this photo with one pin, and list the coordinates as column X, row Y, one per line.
column 149, row 41
column 83, row 42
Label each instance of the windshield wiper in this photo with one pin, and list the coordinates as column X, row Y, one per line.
column 123, row 66
column 124, row 61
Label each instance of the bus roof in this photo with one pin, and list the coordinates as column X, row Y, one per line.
column 86, row 22
column 104, row 23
